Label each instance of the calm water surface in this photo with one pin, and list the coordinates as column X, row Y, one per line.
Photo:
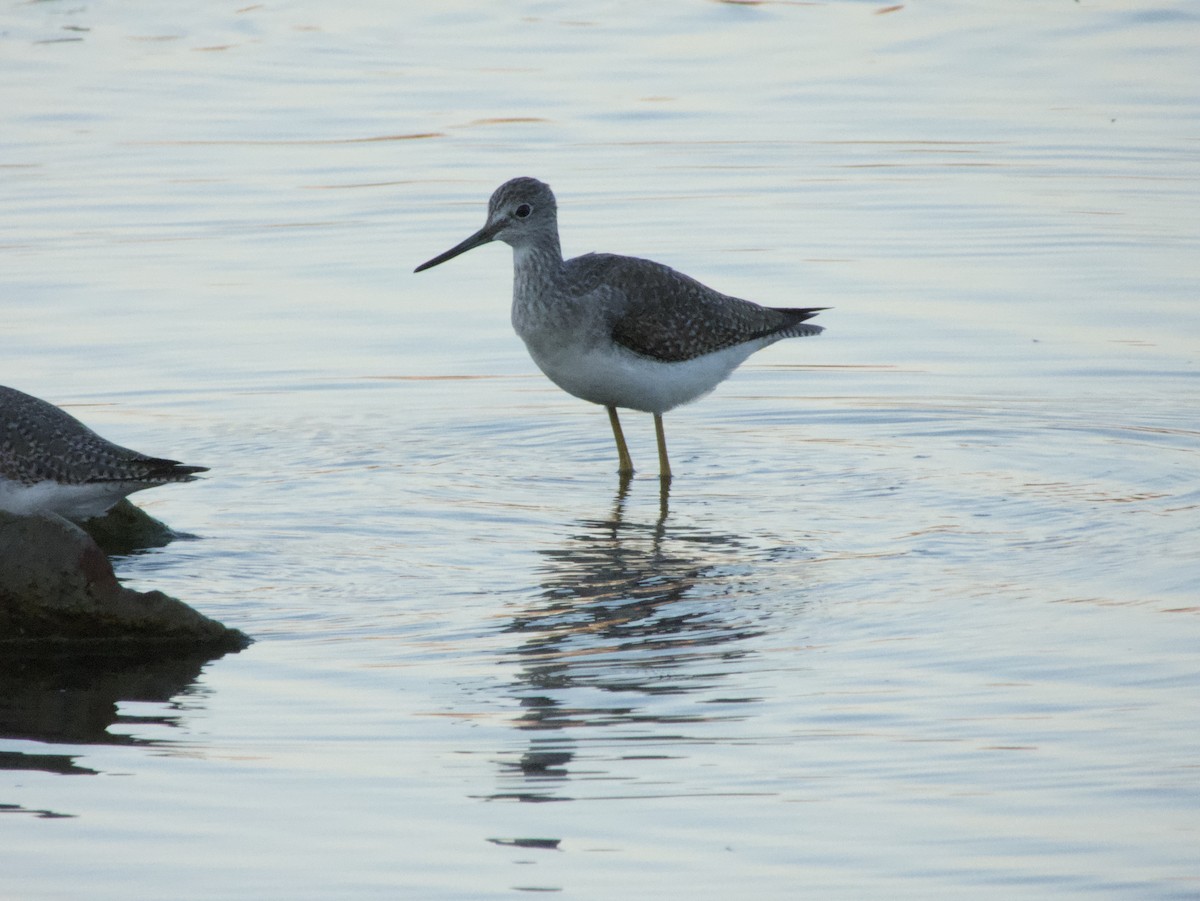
column 919, row 614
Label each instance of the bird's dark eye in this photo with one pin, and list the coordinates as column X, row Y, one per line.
column 523, row 211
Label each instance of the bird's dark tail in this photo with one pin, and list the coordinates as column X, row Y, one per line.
column 151, row 470
column 799, row 315
column 173, row 470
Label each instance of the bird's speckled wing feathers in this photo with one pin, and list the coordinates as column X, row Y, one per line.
column 40, row 442
column 671, row 317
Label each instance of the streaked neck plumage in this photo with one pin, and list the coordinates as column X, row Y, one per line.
column 537, row 281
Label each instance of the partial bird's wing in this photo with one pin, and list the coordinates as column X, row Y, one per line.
column 39, row 441
column 671, row 317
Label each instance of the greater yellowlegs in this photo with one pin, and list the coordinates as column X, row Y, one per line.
column 51, row 462
column 620, row 331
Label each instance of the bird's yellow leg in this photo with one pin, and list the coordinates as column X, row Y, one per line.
column 625, row 464
column 664, row 465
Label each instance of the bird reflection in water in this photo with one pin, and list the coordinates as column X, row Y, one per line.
column 73, row 699
column 628, row 611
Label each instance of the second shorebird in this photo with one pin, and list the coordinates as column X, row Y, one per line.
column 620, row 331
column 50, row 462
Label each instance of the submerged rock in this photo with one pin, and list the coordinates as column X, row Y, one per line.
column 58, row 587
column 126, row 528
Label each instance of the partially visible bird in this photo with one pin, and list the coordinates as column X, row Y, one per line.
column 50, row 462
column 620, row 331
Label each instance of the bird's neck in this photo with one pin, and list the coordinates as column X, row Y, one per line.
column 536, row 267
column 537, row 277
column 540, row 257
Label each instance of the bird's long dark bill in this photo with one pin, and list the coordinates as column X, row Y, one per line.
column 483, row 236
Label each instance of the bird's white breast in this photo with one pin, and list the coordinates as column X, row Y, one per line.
column 613, row 376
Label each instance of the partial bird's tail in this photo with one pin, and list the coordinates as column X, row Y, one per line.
column 799, row 317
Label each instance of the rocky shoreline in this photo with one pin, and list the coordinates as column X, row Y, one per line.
column 58, row 590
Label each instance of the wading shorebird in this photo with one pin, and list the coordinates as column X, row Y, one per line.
column 50, row 462
column 620, row 331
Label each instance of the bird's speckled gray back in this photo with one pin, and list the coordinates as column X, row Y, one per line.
column 40, row 442
column 672, row 317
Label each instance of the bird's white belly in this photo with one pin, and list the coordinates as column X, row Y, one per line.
column 72, row 501
column 613, row 376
